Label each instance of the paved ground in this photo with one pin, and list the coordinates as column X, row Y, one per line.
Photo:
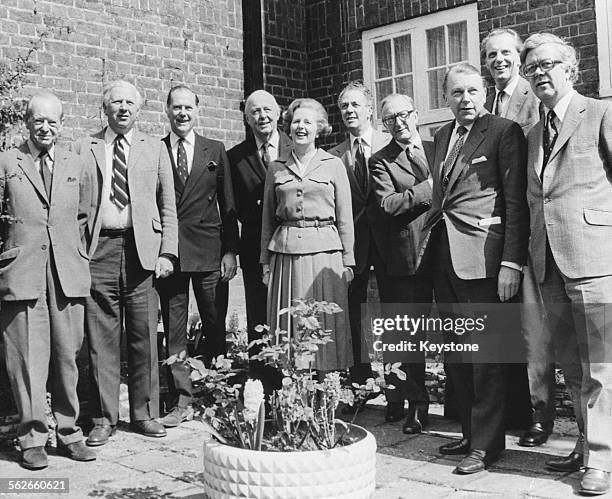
column 133, row 466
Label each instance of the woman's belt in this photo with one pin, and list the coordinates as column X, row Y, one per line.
column 307, row 223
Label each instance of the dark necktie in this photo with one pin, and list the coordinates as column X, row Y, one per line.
column 499, row 103
column 45, row 171
column 181, row 162
column 447, row 167
column 415, row 156
column 550, row 137
column 119, row 186
column 265, row 153
column 361, row 171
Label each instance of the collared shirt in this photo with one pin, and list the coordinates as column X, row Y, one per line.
column 561, row 108
column 112, row 217
column 366, row 144
column 455, row 136
column 188, row 143
column 415, row 142
column 302, row 166
column 35, row 152
column 273, row 145
column 508, row 90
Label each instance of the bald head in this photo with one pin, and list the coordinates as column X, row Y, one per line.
column 262, row 112
column 44, row 118
column 121, row 102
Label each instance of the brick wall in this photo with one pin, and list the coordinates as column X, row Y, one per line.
column 152, row 43
column 333, row 54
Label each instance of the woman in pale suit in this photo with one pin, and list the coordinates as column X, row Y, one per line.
column 307, row 233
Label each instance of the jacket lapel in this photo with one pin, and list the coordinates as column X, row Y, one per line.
column 475, row 137
column 254, row 160
column 442, row 141
column 61, row 160
column 536, row 150
column 199, row 165
column 179, row 186
column 573, row 116
column 28, row 166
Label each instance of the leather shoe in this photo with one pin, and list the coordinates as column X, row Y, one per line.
column 394, row 412
column 475, row 461
column 573, row 462
column 34, row 458
column 595, row 482
column 177, row 416
column 100, row 434
column 417, row 419
column 536, row 434
column 455, row 448
column 76, row 451
column 148, row 428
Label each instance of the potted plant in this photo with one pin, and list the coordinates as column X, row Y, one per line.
column 300, row 449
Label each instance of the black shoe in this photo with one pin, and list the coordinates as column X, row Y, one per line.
column 417, row 419
column 573, row 462
column 455, row 448
column 149, row 428
column 394, row 412
column 536, row 434
column 595, row 482
column 34, row 458
column 177, row 416
column 475, row 461
column 100, row 434
column 76, row 451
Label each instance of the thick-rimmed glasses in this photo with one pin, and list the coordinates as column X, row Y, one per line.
column 545, row 65
column 389, row 121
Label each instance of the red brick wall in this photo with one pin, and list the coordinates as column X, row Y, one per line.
column 152, row 43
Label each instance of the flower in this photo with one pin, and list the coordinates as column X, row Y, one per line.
column 253, row 398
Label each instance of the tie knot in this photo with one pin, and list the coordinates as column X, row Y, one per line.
column 119, row 139
column 461, row 131
column 43, row 155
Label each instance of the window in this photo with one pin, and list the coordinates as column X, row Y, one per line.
column 603, row 16
column 412, row 56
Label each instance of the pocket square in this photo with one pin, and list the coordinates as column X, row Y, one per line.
column 485, row 222
column 71, row 179
column 479, row 160
column 212, row 166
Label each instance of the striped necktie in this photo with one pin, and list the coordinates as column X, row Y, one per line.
column 119, row 186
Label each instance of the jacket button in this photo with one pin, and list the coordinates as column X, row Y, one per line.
column 547, row 200
column 210, row 198
column 298, row 209
column 43, row 247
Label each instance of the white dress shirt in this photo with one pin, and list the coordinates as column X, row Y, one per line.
column 188, row 144
column 272, row 147
column 111, row 215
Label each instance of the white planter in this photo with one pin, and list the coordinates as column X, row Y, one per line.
column 341, row 473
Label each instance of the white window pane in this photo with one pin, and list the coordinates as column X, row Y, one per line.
column 382, row 51
column 436, row 52
column 457, row 42
column 383, row 88
column 434, row 81
column 403, row 55
column 403, row 85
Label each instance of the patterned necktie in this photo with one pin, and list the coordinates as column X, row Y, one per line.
column 550, row 136
column 499, row 103
column 452, row 157
column 265, row 153
column 45, row 171
column 361, row 171
column 181, row 162
column 119, row 186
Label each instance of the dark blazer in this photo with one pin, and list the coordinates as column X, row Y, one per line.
column 484, row 205
column 523, row 106
column 205, row 207
column 403, row 195
column 364, row 205
column 248, row 178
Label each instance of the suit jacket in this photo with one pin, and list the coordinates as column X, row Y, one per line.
column 248, row 178
column 523, row 106
column 403, row 195
column 207, row 226
column 365, row 210
column 151, row 196
column 321, row 194
column 43, row 230
column 572, row 206
column 484, row 205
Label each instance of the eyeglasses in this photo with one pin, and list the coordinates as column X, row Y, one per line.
column 389, row 121
column 545, row 65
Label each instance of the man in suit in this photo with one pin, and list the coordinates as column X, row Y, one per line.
column 249, row 162
column 44, row 279
column 401, row 183
column 207, row 245
column 570, row 201
column 475, row 237
column 132, row 237
column 532, row 391
column 355, row 104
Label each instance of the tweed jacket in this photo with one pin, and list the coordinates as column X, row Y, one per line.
column 43, row 228
column 321, row 194
column 571, row 206
column 151, row 196
column 523, row 106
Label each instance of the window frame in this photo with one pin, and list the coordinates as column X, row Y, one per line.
column 603, row 21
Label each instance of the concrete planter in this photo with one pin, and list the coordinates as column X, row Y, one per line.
column 341, row 473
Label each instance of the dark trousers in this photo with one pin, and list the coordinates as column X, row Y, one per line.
column 255, row 294
column 409, row 289
column 174, row 299
column 41, row 339
column 122, row 294
column 479, row 389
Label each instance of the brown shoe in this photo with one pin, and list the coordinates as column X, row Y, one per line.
column 100, row 434
column 34, row 458
column 76, row 451
column 177, row 416
column 149, row 428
